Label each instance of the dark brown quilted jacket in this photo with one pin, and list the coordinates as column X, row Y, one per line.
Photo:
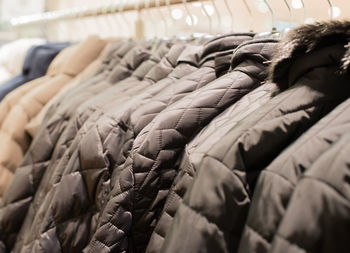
column 145, row 204
column 307, row 69
column 278, row 181
column 216, row 129
column 37, row 159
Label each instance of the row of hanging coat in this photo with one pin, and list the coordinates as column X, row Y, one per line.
column 235, row 143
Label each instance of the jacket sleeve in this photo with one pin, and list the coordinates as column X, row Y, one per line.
column 277, row 183
column 12, row 98
column 151, row 164
column 226, row 178
column 195, row 151
column 317, row 217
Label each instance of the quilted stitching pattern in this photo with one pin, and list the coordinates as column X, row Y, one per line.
column 233, row 164
column 142, row 116
column 46, row 140
column 320, row 202
column 281, row 176
column 61, row 172
column 157, row 147
column 195, row 151
column 92, row 160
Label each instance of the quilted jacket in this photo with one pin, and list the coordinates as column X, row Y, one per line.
column 216, row 129
column 317, row 217
column 111, row 55
column 14, row 141
column 59, row 176
column 146, row 203
column 277, row 182
column 89, row 72
column 113, row 97
column 308, row 74
column 38, row 156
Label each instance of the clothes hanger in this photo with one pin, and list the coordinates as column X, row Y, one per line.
column 205, row 11
column 159, row 40
column 251, row 17
column 331, row 6
column 122, row 14
column 218, row 14
column 304, row 10
column 273, row 33
column 166, row 37
column 286, row 30
column 155, row 35
column 188, row 14
column 171, row 19
column 202, row 37
column 231, row 15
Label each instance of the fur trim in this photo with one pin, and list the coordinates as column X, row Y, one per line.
column 307, row 38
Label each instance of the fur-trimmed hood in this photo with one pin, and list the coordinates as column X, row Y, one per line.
column 305, row 39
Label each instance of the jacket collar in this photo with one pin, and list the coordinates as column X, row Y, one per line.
column 308, row 39
column 221, row 45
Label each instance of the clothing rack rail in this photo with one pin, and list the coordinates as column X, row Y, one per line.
column 82, row 12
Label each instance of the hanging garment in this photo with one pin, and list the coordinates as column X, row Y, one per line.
column 118, row 92
column 317, row 217
column 33, row 126
column 65, row 178
column 116, row 95
column 277, row 182
column 40, row 148
column 202, row 142
column 15, row 142
column 145, row 202
column 115, row 53
column 46, row 184
column 35, row 65
column 305, row 68
column 12, row 57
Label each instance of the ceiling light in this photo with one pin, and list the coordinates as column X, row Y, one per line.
column 176, row 13
column 297, row 4
column 209, row 9
column 189, row 20
column 336, row 11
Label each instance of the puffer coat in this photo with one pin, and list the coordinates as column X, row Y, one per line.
column 317, row 216
column 14, row 141
column 59, row 178
column 277, row 182
column 28, row 189
column 121, row 91
column 145, row 203
column 39, row 154
column 195, row 150
column 306, row 68
column 89, row 72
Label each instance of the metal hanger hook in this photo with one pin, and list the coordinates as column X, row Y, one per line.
column 331, row 6
column 162, row 17
column 208, row 16
column 189, row 14
column 231, row 15
column 217, row 14
column 271, row 13
column 250, row 14
column 290, row 12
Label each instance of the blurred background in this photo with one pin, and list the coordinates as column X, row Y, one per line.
column 216, row 16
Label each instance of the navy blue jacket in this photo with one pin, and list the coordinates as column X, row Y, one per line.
column 35, row 65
